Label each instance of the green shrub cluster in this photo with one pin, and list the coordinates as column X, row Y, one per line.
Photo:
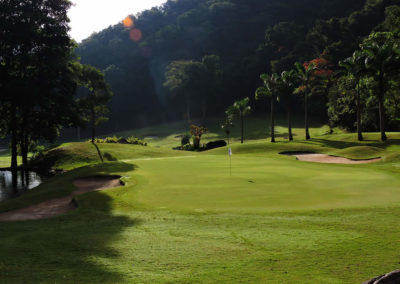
column 121, row 140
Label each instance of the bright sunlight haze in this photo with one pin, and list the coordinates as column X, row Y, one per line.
column 89, row 16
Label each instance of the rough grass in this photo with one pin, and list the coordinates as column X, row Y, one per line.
column 357, row 152
column 181, row 218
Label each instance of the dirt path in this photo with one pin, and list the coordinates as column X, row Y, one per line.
column 63, row 205
column 327, row 159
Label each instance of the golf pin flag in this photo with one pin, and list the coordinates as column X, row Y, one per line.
column 230, row 151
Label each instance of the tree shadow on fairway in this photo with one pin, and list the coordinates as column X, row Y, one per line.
column 78, row 247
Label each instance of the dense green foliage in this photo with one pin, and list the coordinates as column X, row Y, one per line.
column 248, row 36
column 36, row 76
column 39, row 77
column 121, row 140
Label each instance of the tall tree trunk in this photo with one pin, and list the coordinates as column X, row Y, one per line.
column 93, row 122
column 272, row 121
column 382, row 107
column 242, row 128
column 27, row 179
column 289, row 111
column 24, row 150
column 14, row 142
column 359, row 132
column 306, row 116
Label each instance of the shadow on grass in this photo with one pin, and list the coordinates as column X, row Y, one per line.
column 98, row 152
column 77, row 247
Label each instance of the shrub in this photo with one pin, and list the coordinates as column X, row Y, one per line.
column 120, row 140
column 113, row 139
column 197, row 132
column 135, row 141
column 215, row 144
column 185, row 139
column 38, row 152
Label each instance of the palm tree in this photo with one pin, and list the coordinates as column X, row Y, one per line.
column 355, row 66
column 289, row 82
column 306, row 76
column 227, row 126
column 380, row 50
column 239, row 109
column 271, row 90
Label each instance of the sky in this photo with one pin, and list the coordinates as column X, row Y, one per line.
column 88, row 16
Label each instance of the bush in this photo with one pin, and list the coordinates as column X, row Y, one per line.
column 38, row 152
column 121, row 140
column 215, row 144
column 186, row 147
column 185, row 139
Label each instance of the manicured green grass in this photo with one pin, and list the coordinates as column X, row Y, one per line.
column 182, row 218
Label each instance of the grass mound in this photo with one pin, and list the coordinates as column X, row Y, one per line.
column 360, row 152
column 392, row 157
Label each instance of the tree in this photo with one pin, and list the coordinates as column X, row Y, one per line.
column 35, row 51
column 289, row 82
column 195, row 82
column 211, row 85
column 380, row 54
column 94, row 105
column 227, row 126
column 183, row 80
column 306, row 76
column 355, row 66
column 197, row 132
column 271, row 90
column 240, row 109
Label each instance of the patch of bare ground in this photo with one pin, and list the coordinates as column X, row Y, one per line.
column 55, row 207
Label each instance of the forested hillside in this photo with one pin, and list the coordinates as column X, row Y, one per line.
column 234, row 41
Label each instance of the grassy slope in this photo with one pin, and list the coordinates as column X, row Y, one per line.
column 181, row 218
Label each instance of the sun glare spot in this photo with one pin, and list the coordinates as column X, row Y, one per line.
column 128, row 22
column 135, row 35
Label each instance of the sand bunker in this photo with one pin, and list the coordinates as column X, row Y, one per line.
column 63, row 205
column 327, row 159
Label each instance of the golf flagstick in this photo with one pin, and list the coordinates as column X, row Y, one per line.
column 230, row 160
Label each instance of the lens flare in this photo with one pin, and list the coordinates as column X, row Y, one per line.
column 128, row 22
column 135, row 35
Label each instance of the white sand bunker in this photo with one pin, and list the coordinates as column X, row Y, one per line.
column 62, row 205
column 328, row 159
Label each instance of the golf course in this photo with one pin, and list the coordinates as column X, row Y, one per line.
column 182, row 217
column 200, row 142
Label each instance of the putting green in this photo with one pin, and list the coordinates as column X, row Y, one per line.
column 260, row 184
